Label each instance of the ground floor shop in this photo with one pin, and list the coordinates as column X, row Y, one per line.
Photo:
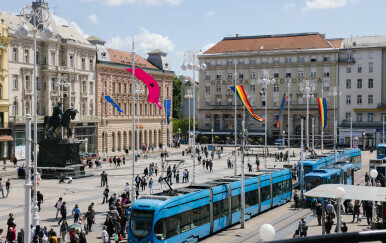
column 362, row 137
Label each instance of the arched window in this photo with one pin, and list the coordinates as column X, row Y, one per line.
column 300, row 100
column 91, row 111
column 1, row 91
column 83, row 110
column 14, row 108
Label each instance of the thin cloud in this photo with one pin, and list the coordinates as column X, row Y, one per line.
column 207, row 47
column 324, row 4
column 62, row 21
column 93, row 19
column 146, row 2
column 210, row 13
column 289, row 6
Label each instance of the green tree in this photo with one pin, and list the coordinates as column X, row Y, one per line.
column 177, row 98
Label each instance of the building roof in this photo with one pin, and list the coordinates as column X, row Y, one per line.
column 263, row 43
column 123, row 57
column 94, row 38
column 336, row 42
column 13, row 21
column 71, row 34
column 365, row 41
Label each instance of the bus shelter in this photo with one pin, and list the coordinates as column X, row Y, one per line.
column 362, row 193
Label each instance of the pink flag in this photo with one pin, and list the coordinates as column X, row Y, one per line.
column 151, row 84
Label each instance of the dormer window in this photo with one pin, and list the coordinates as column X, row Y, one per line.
column 103, row 54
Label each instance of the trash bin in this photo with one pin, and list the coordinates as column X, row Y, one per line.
column 183, row 153
column 136, row 158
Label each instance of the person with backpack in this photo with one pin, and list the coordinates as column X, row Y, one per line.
column 63, row 212
column 63, row 230
column 90, row 219
column 296, row 199
column 76, row 212
column 302, row 228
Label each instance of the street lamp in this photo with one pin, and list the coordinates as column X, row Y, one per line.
column 374, row 174
column 189, row 95
column 264, row 79
column 39, row 17
column 364, row 141
column 179, row 134
column 283, row 137
column 308, row 88
column 191, row 62
column 212, row 135
column 140, row 92
column 339, row 193
column 62, row 81
column 335, row 93
column 267, row 232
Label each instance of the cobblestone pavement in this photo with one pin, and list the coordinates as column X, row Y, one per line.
column 83, row 191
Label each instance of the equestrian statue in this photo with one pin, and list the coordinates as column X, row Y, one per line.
column 58, row 120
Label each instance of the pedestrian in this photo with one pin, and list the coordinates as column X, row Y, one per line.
column 136, row 192
column 146, row 171
column 124, row 160
column 11, row 235
column 296, row 234
column 156, row 169
column 127, row 188
column 90, row 220
column 319, row 210
column 76, row 212
column 369, row 212
column 115, row 161
column 20, row 236
column 14, row 161
column 328, row 224
column 302, row 228
column 106, row 194
column 103, row 179
column 330, row 209
column 367, row 178
column 82, row 237
column 296, row 199
column 40, row 199
column 63, row 230
column 137, row 180
column 69, row 180
column 111, row 161
column 2, row 187
column 143, row 183
column 105, row 235
column 63, row 212
column 151, row 185
column 8, row 186
column 119, row 160
column 356, row 211
column 10, row 221
column 178, row 177
column 344, row 228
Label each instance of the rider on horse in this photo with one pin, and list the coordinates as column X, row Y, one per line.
column 58, row 112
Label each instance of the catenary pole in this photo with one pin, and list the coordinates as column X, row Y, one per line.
column 235, row 124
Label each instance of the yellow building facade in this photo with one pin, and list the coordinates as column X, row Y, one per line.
column 5, row 130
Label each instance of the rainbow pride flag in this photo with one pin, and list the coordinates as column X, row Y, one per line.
column 243, row 97
column 285, row 97
column 323, row 111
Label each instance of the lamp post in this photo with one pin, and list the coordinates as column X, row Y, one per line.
column 244, row 140
column 139, row 92
column 62, row 81
column 383, row 129
column 364, row 141
column 335, row 93
column 351, row 132
column 289, row 116
column 193, row 63
column 301, row 178
column 339, row 193
column 313, row 135
column 179, row 134
column 265, row 79
column 28, row 184
column 189, row 95
column 283, row 137
column 39, row 17
column 308, row 88
column 212, row 135
column 374, row 174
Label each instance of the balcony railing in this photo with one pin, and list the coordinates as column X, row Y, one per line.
column 347, row 60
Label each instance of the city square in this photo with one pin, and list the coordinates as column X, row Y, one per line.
column 117, row 128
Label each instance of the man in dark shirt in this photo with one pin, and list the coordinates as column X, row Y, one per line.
column 40, row 199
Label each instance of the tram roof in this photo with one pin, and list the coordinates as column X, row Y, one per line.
column 364, row 193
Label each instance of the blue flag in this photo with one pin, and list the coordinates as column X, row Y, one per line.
column 108, row 98
column 167, row 104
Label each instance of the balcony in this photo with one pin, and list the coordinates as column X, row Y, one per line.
column 21, row 119
column 347, row 60
column 28, row 92
column 361, row 124
column 88, row 118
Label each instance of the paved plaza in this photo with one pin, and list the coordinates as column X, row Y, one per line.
column 83, row 191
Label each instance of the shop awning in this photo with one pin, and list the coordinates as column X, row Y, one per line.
column 6, row 138
column 362, row 193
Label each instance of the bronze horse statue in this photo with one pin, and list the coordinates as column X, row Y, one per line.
column 56, row 121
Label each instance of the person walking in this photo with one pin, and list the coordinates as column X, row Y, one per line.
column 356, row 211
column 2, row 187
column 328, row 224
column 105, row 235
column 143, row 183
column 303, row 228
column 137, row 180
column 296, row 199
column 90, row 219
column 369, row 212
column 8, row 186
column 63, row 212
column 63, row 230
column 103, row 179
column 330, row 210
column 106, row 194
column 151, row 185
column 40, row 199
column 156, row 169
column 127, row 188
column 58, row 206
column 318, row 208
column 178, row 177
column 76, row 212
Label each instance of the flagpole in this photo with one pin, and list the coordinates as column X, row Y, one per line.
column 104, row 122
column 322, row 124
column 289, row 134
column 133, row 121
column 235, row 120
column 166, row 125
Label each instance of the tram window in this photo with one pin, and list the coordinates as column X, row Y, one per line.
column 289, row 185
column 225, row 207
column 194, row 218
column 185, row 221
column 173, row 226
column 356, row 159
column 265, row 193
column 277, row 188
column 160, row 229
column 251, row 198
column 335, row 179
column 204, row 214
column 235, row 203
column 217, row 210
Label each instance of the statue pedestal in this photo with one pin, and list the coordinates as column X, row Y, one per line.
column 60, row 156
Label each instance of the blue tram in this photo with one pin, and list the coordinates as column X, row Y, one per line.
column 196, row 211
column 381, row 151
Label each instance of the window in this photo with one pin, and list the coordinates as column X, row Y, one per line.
column 370, row 99
column 71, row 61
column 218, row 88
column 313, row 59
column 125, row 88
column 207, row 103
column 140, row 109
column 207, row 89
column 53, row 57
column 14, row 54
column 15, row 81
column 265, row 193
column 218, row 102
column 91, row 88
column 370, row 55
column 300, row 73
column 251, row 198
column 84, row 86
column 288, row 59
column 229, row 61
column 27, row 82
column 371, row 83
column 359, row 55
column 252, row 61
column 359, row 68
column 113, row 88
column 348, row 116
column 252, row 87
column 359, row 99
column 241, row 75
column 264, row 60
column 220, row 209
column 301, row 59
column 83, row 63
column 145, row 113
column 167, row 92
column 370, row 117
column 37, row 83
column 91, row 65
column 300, row 100
column 371, row 67
column 15, row 108
column 359, row 83
column 263, row 103
column 348, row 99
column 348, row 69
column 326, row 58
column 53, row 84
column 348, row 83
column 218, row 76
column 26, row 56
column 276, row 60
column 207, row 75
column 313, row 73
column 91, row 110
column 119, row 88
column 326, row 72
column 241, row 61
column 125, row 108
column 275, row 102
column 230, row 102
column 276, row 87
column 252, row 75
column 288, row 74
column 235, row 203
column 276, row 75
column 359, row 117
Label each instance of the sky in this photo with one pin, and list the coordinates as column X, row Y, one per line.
column 177, row 26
